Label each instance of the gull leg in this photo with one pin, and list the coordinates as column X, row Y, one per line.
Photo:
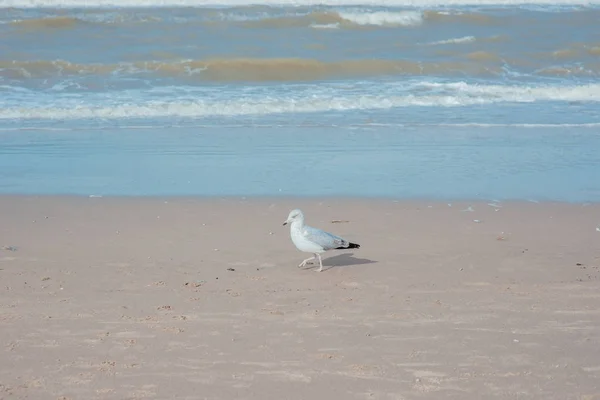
column 303, row 263
column 320, row 263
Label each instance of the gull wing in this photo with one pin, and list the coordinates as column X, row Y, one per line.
column 324, row 239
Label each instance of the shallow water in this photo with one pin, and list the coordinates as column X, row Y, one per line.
column 460, row 101
column 395, row 162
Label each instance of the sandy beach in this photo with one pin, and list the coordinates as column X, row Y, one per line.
column 164, row 298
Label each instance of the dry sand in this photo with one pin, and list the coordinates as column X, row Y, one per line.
column 104, row 298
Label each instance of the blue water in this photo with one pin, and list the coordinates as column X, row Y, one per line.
column 461, row 102
column 396, row 162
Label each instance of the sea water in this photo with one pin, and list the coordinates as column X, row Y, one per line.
column 392, row 98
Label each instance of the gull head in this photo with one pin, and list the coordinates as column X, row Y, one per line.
column 294, row 215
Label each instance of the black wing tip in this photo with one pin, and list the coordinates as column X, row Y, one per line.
column 350, row 246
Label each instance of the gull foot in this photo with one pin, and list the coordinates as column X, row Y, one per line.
column 304, row 263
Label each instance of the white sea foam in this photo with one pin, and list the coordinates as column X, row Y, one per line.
column 228, row 3
column 325, row 26
column 405, row 18
column 298, row 101
column 521, row 94
column 465, row 39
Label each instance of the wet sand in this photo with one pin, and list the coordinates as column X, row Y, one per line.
column 130, row 298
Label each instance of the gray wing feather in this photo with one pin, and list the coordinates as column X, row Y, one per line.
column 324, row 239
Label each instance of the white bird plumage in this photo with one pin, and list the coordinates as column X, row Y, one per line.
column 313, row 240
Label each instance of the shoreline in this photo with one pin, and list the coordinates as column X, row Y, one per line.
column 307, row 198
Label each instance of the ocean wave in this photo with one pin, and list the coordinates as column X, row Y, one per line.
column 254, row 17
column 250, row 17
column 321, row 16
column 572, row 52
column 318, row 18
column 80, row 18
column 461, row 16
column 294, row 3
column 570, row 70
column 166, row 65
column 339, row 19
column 249, row 69
column 309, row 99
column 47, row 23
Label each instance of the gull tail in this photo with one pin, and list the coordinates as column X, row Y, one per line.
column 350, row 246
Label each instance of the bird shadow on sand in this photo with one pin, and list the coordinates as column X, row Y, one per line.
column 345, row 260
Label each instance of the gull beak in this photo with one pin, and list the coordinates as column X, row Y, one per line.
column 285, row 223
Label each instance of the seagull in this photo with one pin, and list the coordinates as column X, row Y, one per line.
column 313, row 240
